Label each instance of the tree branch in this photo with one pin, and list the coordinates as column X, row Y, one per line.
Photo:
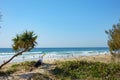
column 19, row 53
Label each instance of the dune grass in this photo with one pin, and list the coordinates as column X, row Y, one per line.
column 72, row 70
column 24, row 66
column 87, row 70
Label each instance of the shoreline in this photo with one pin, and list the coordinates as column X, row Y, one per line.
column 49, row 65
column 52, row 56
column 105, row 58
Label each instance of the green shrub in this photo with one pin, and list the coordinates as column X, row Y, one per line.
column 84, row 70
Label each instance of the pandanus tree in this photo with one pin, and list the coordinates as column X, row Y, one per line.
column 22, row 43
column 114, row 40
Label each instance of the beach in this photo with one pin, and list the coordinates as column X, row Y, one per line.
column 51, row 58
column 52, row 54
column 105, row 58
column 59, row 40
column 50, row 64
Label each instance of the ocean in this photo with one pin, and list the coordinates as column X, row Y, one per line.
column 51, row 53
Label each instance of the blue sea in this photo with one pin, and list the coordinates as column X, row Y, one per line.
column 52, row 53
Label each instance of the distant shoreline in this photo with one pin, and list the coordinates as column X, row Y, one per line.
column 105, row 58
column 51, row 53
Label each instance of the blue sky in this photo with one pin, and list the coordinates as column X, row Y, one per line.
column 59, row 23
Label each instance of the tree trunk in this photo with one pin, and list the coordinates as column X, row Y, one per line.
column 19, row 53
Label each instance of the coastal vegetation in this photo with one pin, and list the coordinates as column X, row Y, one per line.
column 69, row 70
column 22, row 43
column 24, row 66
column 114, row 41
column 73, row 70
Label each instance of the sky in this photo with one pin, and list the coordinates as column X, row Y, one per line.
column 59, row 23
